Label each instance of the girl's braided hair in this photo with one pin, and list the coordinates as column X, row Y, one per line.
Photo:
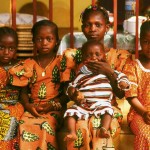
column 41, row 23
column 4, row 30
column 145, row 27
column 94, row 8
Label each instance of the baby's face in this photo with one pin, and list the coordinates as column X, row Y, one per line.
column 94, row 53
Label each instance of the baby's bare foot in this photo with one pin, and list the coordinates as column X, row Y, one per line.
column 70, row 137
column 103, row 133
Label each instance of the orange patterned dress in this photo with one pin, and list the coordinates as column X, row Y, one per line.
column 140, row 88
column 86, row 130
column 10, row 112
column 39, row 133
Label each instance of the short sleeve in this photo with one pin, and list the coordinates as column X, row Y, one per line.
column 69, row 62
column 130, row 70
column 20, row 74
column 119, row 59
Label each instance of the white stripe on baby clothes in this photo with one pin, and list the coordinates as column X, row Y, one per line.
column 101, row 103
column 100, row 85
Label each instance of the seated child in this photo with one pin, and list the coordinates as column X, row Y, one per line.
column 11, row 108
column 92, row 93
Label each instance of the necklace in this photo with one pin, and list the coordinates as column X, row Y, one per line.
column 44, row 71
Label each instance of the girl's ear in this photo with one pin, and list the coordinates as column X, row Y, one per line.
column 35, row 51
column 82, row 27
column 15, row 55
column 107, row 27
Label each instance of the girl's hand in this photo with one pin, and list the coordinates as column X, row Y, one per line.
column 47, row 107
column 78, row 97
column 146, row 117
column 99, row 67
column 71, row 91
column 102, row 67
column 34, row 110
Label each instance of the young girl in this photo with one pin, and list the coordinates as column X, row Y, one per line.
column 91, row 92
column 95, row 24
column 10, row 107
column 139, row 94
column 42, row 75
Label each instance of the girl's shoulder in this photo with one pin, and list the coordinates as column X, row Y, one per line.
column 26, row 64
column 25, row 61
column 118, row 54
column 70, row 52
column 119, row 51
column 30, row 60
column 71, row 57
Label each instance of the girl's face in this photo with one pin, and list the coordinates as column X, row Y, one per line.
column 8, row 47
column 94, row 53
column 95, row 27
column 45, row 40
column 145, row 44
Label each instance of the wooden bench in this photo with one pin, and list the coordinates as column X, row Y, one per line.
column 124, row 142
column 126, row 136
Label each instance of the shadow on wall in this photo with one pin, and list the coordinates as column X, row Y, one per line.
column 42, row 9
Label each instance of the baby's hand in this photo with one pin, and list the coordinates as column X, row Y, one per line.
column 71, row 91
column 75, row 95
column 123, row 85
column 79, row 97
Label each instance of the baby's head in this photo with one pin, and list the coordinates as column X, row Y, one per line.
column 93, row 50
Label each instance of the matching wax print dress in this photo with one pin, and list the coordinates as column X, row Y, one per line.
column 86, row 129
column 10, row 112
column 140, row 88
column 39, row 133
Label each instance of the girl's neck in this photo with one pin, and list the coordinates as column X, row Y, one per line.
column 105, row 47
column 11, row 63
column 46, row 56
column 45, row 60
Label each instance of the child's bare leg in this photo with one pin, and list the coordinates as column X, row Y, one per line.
column 71, row 125
column 105, row 125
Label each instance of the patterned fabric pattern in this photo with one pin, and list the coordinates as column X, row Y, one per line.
column 140, row 87
column 10, row 113
column 39, row 133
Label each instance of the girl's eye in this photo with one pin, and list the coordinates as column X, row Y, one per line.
column 10, row 49
column 86, row 25
column 98, row 25
column 39, row 40
column 49, row 39
column 2, row 47
column 145, row 42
